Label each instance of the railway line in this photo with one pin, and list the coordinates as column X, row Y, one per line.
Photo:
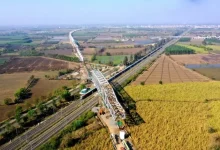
column 39, row 134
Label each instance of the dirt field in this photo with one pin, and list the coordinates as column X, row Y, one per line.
column 60, row 52
column 212, row 73
column 88, row 51
column 35, row 64
column 168, row 71
column 10, row 83
column 197, row 59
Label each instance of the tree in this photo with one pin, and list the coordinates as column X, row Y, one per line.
column 108, row 54
column 21, row 93
column 9, row 127
column 7, row 101
column 204, row 42
column 93, row 58
column 82, row 86
column 54, row 103
column 41, row 107
column 125, row 62
column 28, row 105
column 131, row 58
column 142, row 83
column 66, row 95
column 110, row 63
column 18, row 113
column 32, row 114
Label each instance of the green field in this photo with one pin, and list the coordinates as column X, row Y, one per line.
column 3, row 60
column 196, row 49
column 117, row 59
column 214, row 47
column 14, row 39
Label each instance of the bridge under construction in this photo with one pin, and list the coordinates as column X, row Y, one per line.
column 108, row 95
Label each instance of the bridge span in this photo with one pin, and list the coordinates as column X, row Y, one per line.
column 108, row 95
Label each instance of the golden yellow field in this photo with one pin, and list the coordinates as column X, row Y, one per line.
column 182, row 116
column 99, row 140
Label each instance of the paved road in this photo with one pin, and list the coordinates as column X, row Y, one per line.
column 138, row 67
column 42, row 132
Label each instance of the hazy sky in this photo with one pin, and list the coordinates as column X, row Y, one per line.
column 49, row 12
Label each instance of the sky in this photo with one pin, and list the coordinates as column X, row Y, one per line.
column 78, row 12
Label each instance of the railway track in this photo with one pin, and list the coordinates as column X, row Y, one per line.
column 56, row 121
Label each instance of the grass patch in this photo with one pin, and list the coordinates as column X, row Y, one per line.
column 117, row 59
column 3, row 60
column 196, row 49
column 214, row 47
column 186, row 39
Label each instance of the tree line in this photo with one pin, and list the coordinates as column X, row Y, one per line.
column 177, row 50
column 35, row 114
column 63, row 57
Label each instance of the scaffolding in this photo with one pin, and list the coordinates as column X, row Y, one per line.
column 108, row 95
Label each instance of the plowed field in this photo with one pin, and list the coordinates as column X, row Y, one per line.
column 35, row 64
column 168, row 71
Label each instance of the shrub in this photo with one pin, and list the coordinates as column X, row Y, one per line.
column 211, row 130
column 7, row 101
column 160, row 82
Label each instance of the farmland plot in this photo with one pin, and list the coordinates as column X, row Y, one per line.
column 35, row 64
column 183, row 116
column 168, row 71
column 197, row 59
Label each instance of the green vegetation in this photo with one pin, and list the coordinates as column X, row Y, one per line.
column 8, row 101
column 16, row 39
column 64, row 72
column 82, row 86
column 176, row 49
column 115, row 60
column 212, row 40
column 214, row 47
column 93, row 58
column 30, row 53
column 21, row 93
column 56, row 141
column 125, row 61
column 18, row 113
column 197, row 49
column 63, row 57
column 3, row 60
column 185, row 39
column 66, row 95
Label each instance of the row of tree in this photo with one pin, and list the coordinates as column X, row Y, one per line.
column 35, row 114
column 177, row 50
column 63, row 57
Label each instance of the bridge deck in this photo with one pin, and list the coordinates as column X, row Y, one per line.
column 108, row 95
